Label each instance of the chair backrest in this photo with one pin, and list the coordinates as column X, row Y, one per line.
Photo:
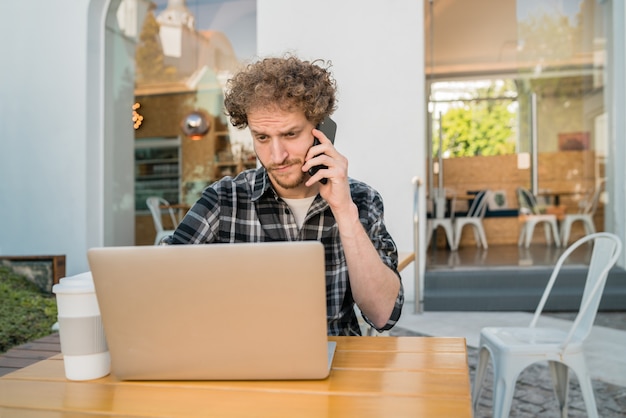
column 590, row 204
column 479, row 205
column 607, row 248
column 527, row 202
column 447, row 199
column 154, row 203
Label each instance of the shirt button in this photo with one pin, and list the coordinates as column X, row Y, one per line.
column 286, row 211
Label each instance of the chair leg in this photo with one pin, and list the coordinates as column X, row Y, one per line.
column 502, row 395
column 483, row 237
column 577, row 364
column 547, row 232
column 429, row 233
column 590, row 401
column 522, row 235
column 479, row 377
column 530, row 230
column 560, row 380
column 450, row 237
column 506, row 370
column 566, row 227
column 458, row 231
column 555, row 233
column 476, row 236
column 590, row 228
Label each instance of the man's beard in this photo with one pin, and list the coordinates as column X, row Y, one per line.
column 284, row 182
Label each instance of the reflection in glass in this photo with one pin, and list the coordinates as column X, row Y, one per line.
column 481, row 79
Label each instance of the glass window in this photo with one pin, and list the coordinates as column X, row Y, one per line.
column 516, row 99
column 168, row 62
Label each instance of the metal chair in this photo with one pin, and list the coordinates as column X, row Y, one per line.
column 532, row 216
column 513, row 349
column 440, row 200
column 155, row 204
column 474, row 218
column 585, row 214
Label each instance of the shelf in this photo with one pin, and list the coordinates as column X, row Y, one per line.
column 157, row 170
column 157, row 176
column 156, row 161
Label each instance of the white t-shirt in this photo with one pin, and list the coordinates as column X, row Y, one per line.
column 299, row 208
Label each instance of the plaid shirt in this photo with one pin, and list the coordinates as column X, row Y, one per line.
column 247, row 209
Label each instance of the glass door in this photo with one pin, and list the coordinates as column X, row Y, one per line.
column 516, row 99
column 561, row 55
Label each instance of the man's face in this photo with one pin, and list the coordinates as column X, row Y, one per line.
column 281, row 141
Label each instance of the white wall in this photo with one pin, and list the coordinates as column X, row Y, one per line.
column 43, row 184
column 377, row 48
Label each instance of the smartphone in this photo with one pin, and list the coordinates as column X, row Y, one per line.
column 328, row 127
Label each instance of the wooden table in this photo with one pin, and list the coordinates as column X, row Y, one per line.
column 370, row 377
column 555, row 195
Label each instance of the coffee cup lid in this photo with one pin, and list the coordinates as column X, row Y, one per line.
column 79, row 283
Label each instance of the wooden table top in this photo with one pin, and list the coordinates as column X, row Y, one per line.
column 370, row 377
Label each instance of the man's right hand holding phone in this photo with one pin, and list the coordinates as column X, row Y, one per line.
column 328, row 128
column 334, row 168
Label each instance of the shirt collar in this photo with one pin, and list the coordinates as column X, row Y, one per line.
column 262, row 184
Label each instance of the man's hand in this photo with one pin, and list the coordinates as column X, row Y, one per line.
column 336, row 191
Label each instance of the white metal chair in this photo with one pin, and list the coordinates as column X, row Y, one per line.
column 585, row 215
column 532, row 216
column 439, row 219
column 155, row 205
column 512, row 349
column 474, row 218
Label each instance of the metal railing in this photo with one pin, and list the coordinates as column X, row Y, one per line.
column 419, row 284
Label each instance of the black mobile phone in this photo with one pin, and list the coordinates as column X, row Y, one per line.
column 328, row 127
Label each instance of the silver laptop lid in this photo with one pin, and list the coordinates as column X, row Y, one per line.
column 219, row 311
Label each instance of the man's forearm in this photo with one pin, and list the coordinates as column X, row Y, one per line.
column 374, row 285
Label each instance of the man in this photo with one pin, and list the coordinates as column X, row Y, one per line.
column 282, row 100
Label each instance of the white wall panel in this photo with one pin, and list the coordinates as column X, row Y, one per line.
column 376, row 47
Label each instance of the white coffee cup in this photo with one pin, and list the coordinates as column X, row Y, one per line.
column 83, row 343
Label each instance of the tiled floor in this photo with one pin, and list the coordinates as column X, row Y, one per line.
column 471, row 257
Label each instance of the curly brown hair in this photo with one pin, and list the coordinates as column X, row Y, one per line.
column 289, row 83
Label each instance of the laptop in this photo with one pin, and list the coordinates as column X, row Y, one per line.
column 249, row 311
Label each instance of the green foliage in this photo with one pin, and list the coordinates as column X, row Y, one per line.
column 480, row 127
column 25, row 312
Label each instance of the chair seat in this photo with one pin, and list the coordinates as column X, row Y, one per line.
column 528, row 228
column 531, row 216
column 477, row 226
column 529, row 340
column 588, row 208
column 446, row 224
column 540, row 218
column 474, row 219
column 570, row 219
